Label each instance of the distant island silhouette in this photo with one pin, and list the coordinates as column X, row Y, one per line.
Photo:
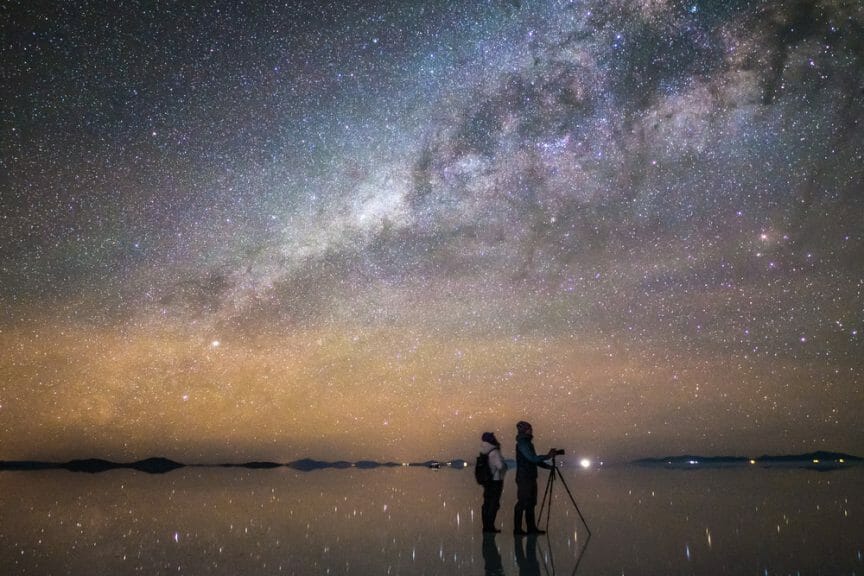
column 819, row 460
column 158, row 465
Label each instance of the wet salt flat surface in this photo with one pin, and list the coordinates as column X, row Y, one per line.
column 420, row 521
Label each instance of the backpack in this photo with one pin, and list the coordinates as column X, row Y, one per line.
column 482, row 470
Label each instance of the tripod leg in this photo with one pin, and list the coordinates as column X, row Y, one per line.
column 573, row 500
column 547, row 494
column 581, row 553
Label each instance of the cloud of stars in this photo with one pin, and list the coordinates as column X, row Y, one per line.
column 379, row 229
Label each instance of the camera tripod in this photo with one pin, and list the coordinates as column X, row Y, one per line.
column 550, row 484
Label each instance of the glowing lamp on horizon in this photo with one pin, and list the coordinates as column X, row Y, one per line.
column 585, row 463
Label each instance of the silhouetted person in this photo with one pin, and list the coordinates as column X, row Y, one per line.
column 527, row 462
column 527, row 560
column 492, row 490
column 491, row 556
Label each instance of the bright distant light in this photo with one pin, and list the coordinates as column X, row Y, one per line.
column 585, row 463
column 215, row 344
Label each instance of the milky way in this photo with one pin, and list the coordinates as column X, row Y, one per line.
column 379, row 229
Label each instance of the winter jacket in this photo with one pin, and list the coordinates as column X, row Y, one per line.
column 527, row 459
column 496, row 462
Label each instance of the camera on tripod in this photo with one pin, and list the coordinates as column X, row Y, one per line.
column 555, row 472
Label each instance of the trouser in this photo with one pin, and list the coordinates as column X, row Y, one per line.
column 492, row 564
column 526, row 501
column 491, row 503
column 527, row 559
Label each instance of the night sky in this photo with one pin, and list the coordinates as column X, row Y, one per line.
column 377, row 229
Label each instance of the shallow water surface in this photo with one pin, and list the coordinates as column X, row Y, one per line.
column 421, row 521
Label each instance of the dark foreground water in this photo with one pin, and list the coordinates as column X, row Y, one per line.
column 420, row 521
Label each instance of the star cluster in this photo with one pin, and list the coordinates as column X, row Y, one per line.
column 378, row 229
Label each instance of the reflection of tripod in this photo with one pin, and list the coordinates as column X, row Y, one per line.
column 548, row 494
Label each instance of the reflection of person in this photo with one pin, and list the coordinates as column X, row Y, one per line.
column 527, row 559
column 527, row 462
column 491, row 557
column 492, row 490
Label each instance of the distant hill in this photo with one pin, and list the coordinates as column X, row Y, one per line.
column 256, row 465
column 368, row 464
column 94, row 465
column 691, row 459
column 820, row 460
column 162, row 465
column 156, row 465
column 307, row 464
column 820, row 455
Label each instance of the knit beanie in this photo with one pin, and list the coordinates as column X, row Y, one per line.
column 490, row 438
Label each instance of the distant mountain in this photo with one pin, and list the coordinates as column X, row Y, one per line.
column 307, row 464
column 820, row 460
column 427, row 464
column 95, row 465
column 820, row 456
column 162, row 465
column 156, row 465
column 690, row 459
column 27, row 465
column 256, row 465
column 91, row 465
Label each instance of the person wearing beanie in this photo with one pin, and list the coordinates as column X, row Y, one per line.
column 527, row 462
column 492, row 490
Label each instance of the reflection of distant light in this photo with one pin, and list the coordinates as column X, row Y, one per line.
column 585, row 463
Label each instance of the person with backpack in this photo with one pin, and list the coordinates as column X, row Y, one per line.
column 489, row 471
